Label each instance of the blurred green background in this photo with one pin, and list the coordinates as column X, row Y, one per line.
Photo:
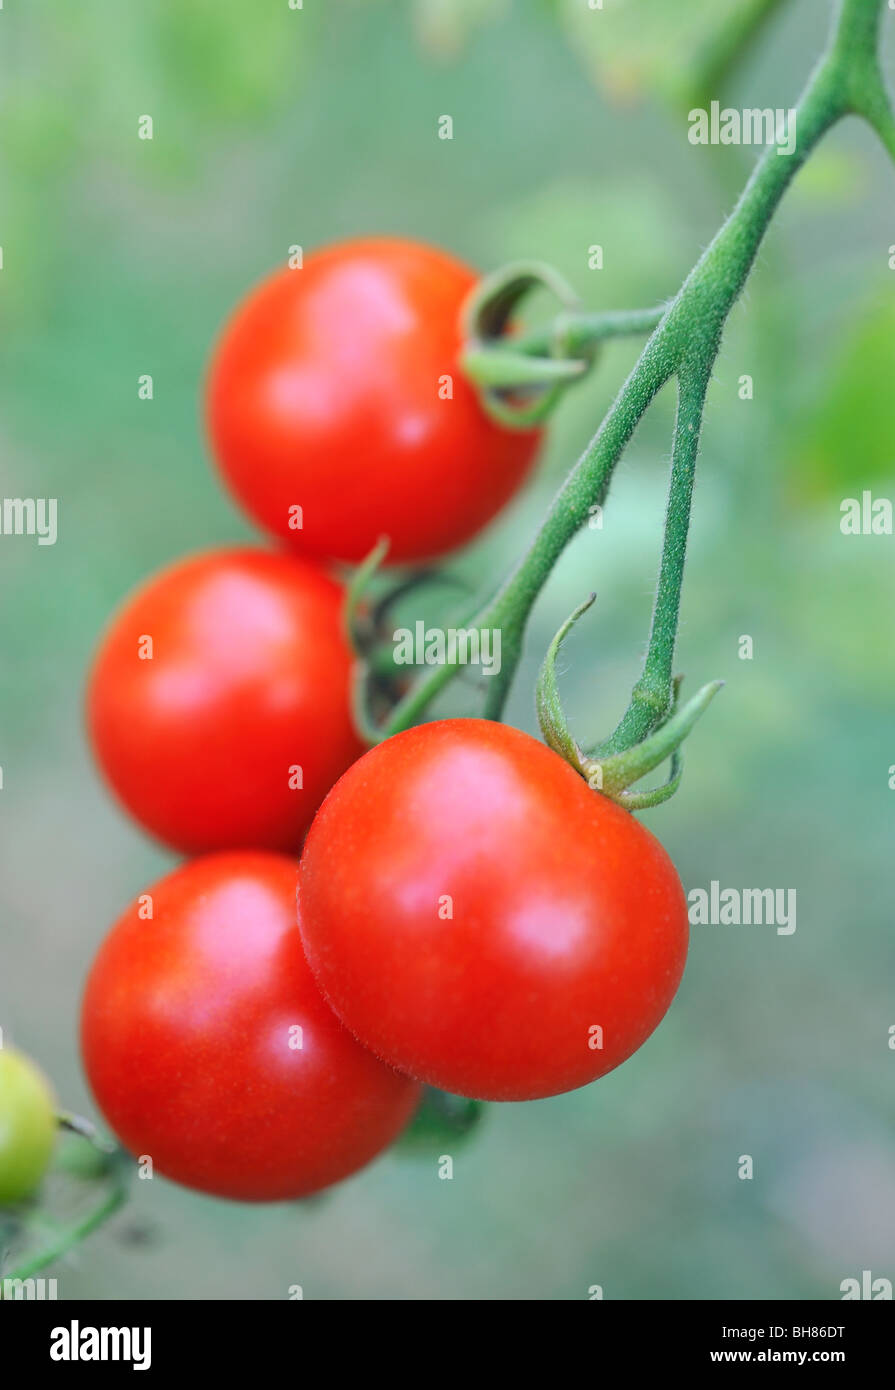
column 122, row 257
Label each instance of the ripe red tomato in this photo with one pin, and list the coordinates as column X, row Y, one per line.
column 247, row 682
column 324, row 394
column 483, row 920
column 190, row 1042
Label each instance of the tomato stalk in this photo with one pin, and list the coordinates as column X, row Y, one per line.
column 652, row 695
column 580, row 330
column 70, row 1235
column 109, row 1172
column 683, row 344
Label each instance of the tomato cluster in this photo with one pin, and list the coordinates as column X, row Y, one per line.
column 466, row 912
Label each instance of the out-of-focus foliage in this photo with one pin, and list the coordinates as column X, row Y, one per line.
column 445, row 26
column 620, row 214
column 78, row 77
column 827, row 455
column 638, row 48
column 228, row 59
column 76, row 80
column 831, row 177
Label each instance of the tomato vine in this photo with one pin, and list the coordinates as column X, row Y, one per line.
column 685, row 337
column 521, row 376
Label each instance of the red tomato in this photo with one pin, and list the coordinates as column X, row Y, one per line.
column 247, row 682
column 324, row 394
column 483, row 920
column 190, row 1042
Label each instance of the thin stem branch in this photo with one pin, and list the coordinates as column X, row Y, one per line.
column 580, row 331
column 684, row 342
column 70, row 1235
column 651, row 697
column 657, row 671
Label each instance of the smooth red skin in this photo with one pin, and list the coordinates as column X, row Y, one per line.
column 324, row 392
column 185, row 1033
column 566, row 913
column 249, row 676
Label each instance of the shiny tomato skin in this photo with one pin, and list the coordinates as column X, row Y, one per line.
column 473, row 911
column 323, row 393
column 249, row 677
column 186, row 1026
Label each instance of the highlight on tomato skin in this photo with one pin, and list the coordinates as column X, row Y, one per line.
column 337, row 411
column 210, row 1050
column 483, row 920
column 218, row 702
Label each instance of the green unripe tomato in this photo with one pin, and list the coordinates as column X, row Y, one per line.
column 27, row 1125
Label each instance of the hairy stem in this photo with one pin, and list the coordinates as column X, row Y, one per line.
column 579, row 331
column 652, row 695
column 685, row 342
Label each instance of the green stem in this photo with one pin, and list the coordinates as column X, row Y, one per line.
column 863, row 81
column 501, row 369
column 522, row 379
column 71, row 1235
column 686, row 340
column 579, row 331
column 618, row 771
column 652, row 695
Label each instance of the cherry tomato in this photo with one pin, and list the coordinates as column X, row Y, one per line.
column 27, row 1125
column 327, row 393
column 483, row 920
column 210, row 1049
column 219, row 701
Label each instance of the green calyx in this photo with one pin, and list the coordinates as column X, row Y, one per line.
column 521, row 381
column 379, row 678
column 614, row 771
column 522, row 376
